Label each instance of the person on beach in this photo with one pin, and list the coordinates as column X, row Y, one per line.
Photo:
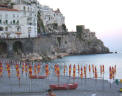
column 50, row 93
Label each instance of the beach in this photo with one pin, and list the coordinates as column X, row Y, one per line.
column 86, row 87
column 34, row 87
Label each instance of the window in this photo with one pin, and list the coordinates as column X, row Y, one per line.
column 6, row 28
column 17, row 21
column 6, row 21
column 13, row 21
column 18, row 28
column 1, row 28
column 0, row 21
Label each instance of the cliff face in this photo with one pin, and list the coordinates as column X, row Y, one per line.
column 71, row 43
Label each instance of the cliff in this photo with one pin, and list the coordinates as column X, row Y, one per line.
column 52, row 46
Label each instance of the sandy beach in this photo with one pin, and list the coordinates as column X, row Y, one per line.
column 39, row 87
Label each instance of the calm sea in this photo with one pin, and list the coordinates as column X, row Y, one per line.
column 96, row 59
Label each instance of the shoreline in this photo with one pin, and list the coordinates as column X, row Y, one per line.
column 50, row 57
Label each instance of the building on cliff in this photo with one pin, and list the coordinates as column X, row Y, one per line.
column 28, row 18
column 22, row 21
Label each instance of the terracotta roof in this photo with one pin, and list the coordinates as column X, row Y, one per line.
column 8, row 9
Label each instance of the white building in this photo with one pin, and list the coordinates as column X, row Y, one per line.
column 15, row 23
column 50, row 16
column 21, row 21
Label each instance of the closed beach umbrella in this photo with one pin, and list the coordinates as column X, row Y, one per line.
column 93, row 68
column 1, row 69
column 95, row 72
column 85, row 71
column 74, row 71
column 81, row 75
column 115, row 69
column 17, row 71
column 55, row 67
column 26, row 68
column 35, row 69
column 58, row 71
column 89, row 68
column 110, row 72
column 9, row 70
column 38, row 68
column 46, row 70
column 64, row 69
column 30, row 70
column 23, row 66
column 69, row 70
column 103, row 69
column 78, row 69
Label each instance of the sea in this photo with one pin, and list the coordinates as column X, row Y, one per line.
column 107, row 60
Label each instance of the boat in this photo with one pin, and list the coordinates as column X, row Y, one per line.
column 63, row 86
column 37, row 77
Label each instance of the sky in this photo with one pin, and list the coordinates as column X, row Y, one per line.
column 104, row 17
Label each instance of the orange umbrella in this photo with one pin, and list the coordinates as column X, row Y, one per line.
column 113, row 72
column 103, row 69
column 93, row 68
column 69, row 70
column 81, row 75
column 58, row 71
column 23, row 66
column 38, row 69
column 1, row 69
column 64, row 69
column 95, row 72
column 8, row 69
column 46, row 69
column 35, row 69
column 85, row 71
column 74, row 71
column 26, row 68
column 78, row 69
column 110, row 72
column 115, row 69
column 89, row 68
column 55, row 66
column 17, row 71
column 30, row 70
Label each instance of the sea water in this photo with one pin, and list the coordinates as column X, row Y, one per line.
column 97, row 59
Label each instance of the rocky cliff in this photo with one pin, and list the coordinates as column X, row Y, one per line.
column 69, row 43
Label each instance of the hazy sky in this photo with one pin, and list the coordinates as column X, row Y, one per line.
column 101, row 16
